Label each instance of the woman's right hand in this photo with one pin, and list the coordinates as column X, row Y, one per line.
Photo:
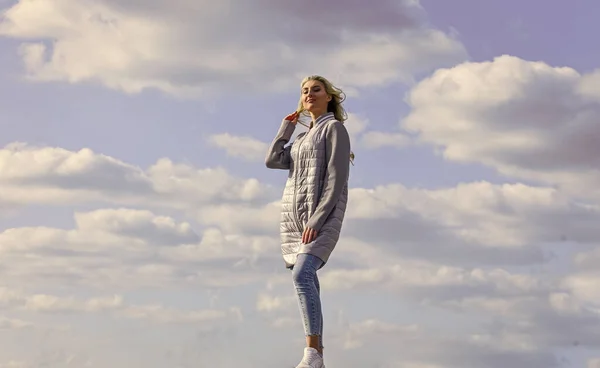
column 293, row 117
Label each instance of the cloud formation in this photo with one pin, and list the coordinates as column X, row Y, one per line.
column 191, row 48
column 466, row 250
column 526, row 119
column 30, row 174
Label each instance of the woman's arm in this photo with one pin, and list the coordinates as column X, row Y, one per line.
column 278, row 156
column 337, row 156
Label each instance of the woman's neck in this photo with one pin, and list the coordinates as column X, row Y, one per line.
column 315, row 115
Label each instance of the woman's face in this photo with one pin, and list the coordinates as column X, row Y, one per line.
column 314, row 97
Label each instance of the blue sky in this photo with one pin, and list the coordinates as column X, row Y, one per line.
column 139, row 226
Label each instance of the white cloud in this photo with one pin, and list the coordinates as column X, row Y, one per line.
column 467, row 249
column 554, row 318
column 101, row 230
column 199, row 47
column 13, row 324
column 242, row 218
column 356, row 125
column 269, row 303
column 424, row 280
column 133, row 248
column 115, row 305
column 486, row 223
column 137, row 224
column 359, row 333
column 245, row 148
column 362, row 137
column 54, row 175
column 588, row 260
column 286, row 322
column 526, row 119
column 416, row 346
column 583, row 285
column 479, row 222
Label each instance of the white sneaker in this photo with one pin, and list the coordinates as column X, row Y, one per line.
column 311, row 359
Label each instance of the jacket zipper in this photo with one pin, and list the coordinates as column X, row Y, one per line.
column 298, row 222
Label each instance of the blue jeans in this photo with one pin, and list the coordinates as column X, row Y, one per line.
column 304, row 274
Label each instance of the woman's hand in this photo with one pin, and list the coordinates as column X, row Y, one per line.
column 293, row 117
column 309, row 235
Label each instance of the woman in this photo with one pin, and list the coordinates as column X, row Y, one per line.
column 314, row 199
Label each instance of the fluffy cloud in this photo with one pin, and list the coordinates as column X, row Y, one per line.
column 137, row 224
column 362, row 137
column 13, row 324
column 554, row 320
column 588, row 260
column 199, row 47
column 466, row 249
column 480, row 222
column 583, row 285
column 416, row 346
column 54, row 175
column 127, row 248
column 359, row 333
column 269, row 303
column 522, row 317
column 100, row 230
column 44, row 303
column 432, row 281
column 487, row 223
column 244, row 148
column 246, row 219
column 526, row 119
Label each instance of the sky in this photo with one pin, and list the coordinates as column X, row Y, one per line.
column 139, row 224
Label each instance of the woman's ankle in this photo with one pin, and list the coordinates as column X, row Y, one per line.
column 314, row 341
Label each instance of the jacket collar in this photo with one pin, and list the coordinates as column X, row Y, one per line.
column 322, row 118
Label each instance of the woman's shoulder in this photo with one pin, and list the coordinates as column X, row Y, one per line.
column 335, row 124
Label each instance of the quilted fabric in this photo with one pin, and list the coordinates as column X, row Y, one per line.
column 307, row 163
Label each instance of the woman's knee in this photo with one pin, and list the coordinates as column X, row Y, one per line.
column 304, row 271
column 302, row 276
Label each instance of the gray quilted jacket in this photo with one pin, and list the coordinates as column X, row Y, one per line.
column 316, row 191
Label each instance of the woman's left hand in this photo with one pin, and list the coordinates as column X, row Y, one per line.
column 309, row 235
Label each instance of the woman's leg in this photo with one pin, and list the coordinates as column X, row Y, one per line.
column 305, row 279
column 321, row 331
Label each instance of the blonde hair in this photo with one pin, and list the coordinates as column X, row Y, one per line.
column 335, row 105
column 337, row 97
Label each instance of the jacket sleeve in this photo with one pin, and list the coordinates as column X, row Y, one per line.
column 337, row 158
column 278, row 156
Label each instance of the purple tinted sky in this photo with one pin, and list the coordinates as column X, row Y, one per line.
column 556, row 31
